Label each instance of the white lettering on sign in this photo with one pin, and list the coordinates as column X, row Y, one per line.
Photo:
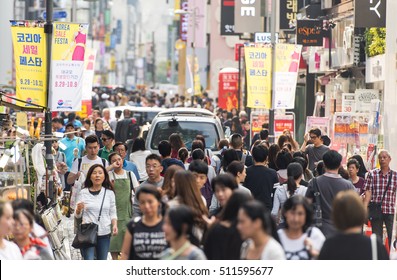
column 375, row 8
column 249, row 9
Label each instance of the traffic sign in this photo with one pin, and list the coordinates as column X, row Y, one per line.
column 56, row 14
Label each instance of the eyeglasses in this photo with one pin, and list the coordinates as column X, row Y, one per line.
column 105, row 139
column 313, row 136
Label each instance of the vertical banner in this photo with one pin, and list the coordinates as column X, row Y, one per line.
column 287, row 66
column 194, row 74
column 88, row 79
column 288, row 11
column 227, row 18
column 184, row 22
column 247, row 16
column 30, row 62
column 199, row 15
column 68, row 49
column 228, row 88
column 258, row 62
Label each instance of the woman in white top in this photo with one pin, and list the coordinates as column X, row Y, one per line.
column 285, row 191
column 138, row 156
column 299, row 240
column 258, row 229
column 97, row 188
column 8, row 250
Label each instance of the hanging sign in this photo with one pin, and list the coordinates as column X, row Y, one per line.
column 310, row 33
column 68, row 50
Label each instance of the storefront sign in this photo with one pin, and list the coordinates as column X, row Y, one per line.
column 364, row 98
column 288, row 11
column 227, row 18
column 348, row 102
column 370, row 13
column 184, row 22
column 200, row 16
column 265, row 37
column 238, row 51
column 318, row 122
column 310, row 33
column 257, row 120
column 228, row 88
column 375, row 69
column 258, row 65
column 30, row 62
column 68, row 52
column 282, row 123
column 247, row 16
column 287, row 66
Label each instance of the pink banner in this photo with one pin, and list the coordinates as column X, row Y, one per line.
column 197, row 13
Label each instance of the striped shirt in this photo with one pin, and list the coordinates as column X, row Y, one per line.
column 376, row 182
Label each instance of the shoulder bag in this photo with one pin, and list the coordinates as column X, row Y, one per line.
column 375, row 208
column 318, row 215
column 87, row 234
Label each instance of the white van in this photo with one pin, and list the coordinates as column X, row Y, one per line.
column 188, row 122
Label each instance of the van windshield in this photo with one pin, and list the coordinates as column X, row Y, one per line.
column 188, row 131
column 143, row 117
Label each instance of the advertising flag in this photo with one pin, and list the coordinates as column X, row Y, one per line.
column 259, row 77
column 286, row 75
column 68, row 49
column 30, row 62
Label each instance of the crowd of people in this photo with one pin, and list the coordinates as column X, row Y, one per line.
column 244, row 200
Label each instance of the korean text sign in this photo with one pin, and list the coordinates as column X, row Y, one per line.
column 30, row 62
column 68, row 49
column 258, row 63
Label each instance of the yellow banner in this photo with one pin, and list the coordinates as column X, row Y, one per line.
column 259, row 77
column 30, row 63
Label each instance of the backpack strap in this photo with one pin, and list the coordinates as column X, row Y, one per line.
column 243, row 157
column 79, row 164
column 104, row 162
column 131, row 184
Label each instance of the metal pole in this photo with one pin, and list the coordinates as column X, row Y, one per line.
column 193, row 56
column 273, row 36
column 173, row 31
column 74, row 11
column 48, row 30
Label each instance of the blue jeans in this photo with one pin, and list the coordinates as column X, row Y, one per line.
column 100, row 250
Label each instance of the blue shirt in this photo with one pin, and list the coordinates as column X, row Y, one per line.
column 71, row 144
column 62, row 129
column 130, row 166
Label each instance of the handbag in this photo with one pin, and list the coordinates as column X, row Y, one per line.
column 375, row 208
column 318, row 214
column 87, row 234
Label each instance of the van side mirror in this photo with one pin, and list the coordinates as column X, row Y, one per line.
column 144, row 134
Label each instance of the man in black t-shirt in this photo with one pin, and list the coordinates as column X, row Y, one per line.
column 260, row 179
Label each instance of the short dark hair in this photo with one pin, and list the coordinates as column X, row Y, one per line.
column 291, row 204
column 302, row 161
column 149, row 189
column 153, row 157
column 264, row 134
column 108, row 133
column 199, row 167
column 91, row 139
column 225, row 180
column 164, row 148
column 353, row 161
column 57, row 120
column 235, row 167
column 69, row 124
column 119, row 144
column 223, row 143
column 326, row 140
column 236, row 141
column 198, row 154
column 197, row 144
column 260, row 153
column 332, row 160
column 315, row 131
